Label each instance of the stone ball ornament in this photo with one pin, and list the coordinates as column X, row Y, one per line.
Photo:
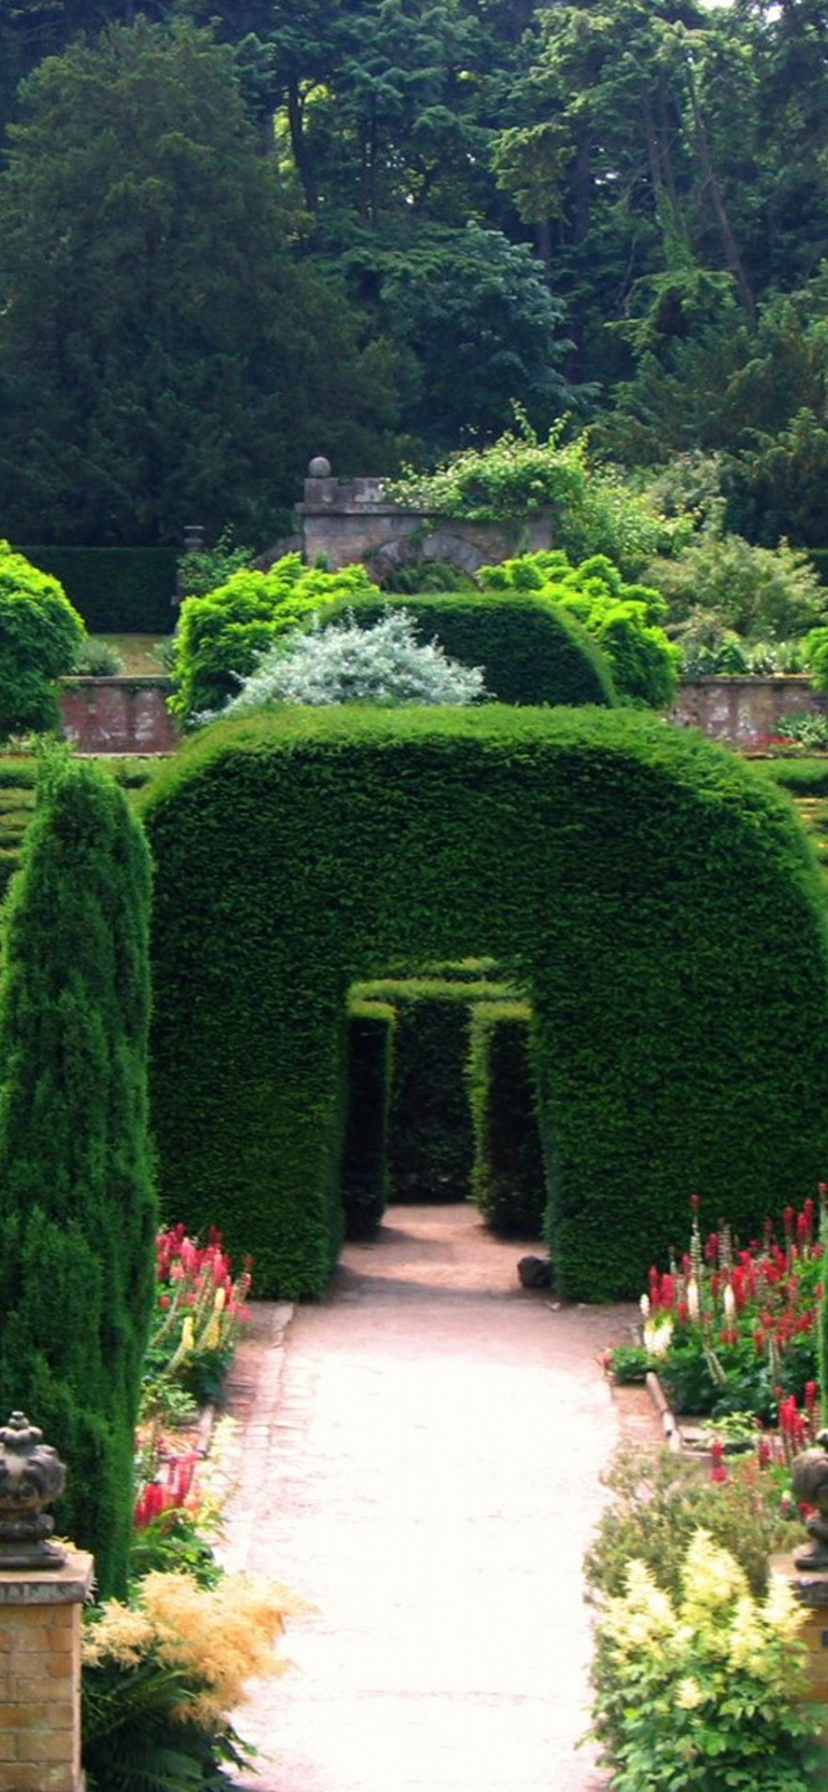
column 31, row 1477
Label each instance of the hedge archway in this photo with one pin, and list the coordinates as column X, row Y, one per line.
column 655, row 896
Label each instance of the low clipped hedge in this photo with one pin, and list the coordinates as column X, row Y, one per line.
column 507, row 1170
column 117, row 591
column 531, row 651
column 365, row 1146
column 654, row 896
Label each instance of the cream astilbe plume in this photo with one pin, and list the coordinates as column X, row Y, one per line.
column 122, row 1634
column 219, row 1637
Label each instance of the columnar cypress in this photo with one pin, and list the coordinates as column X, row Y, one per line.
column 77, row 1209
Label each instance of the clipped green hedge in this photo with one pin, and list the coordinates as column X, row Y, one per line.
column 364, row 1170
column 508, row 1185
column 531, row 651
column 654, row 896
column 430, row 1140
column 117, row 591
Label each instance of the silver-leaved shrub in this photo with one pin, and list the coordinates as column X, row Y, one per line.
column 343, row 663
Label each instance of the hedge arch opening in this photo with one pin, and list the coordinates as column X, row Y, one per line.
column 655, row 897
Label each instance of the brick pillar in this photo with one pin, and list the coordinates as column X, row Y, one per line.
column 40, row 1681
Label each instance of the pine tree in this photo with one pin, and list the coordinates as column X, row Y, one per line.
column 77, row 1210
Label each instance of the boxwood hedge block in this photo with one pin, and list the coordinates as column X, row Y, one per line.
column 655, row 897
column 365, row 1148
column 531, row 650
column 507, row 1171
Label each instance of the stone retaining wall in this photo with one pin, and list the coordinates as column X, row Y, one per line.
column 129, row 715
column 745, row 710
column 118, row 715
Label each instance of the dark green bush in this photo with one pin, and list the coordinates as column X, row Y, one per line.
column 117, row 591
column 531, row 651
column 507, row 1172
column 653, row 895
column 365, row 1149
column 77, row 1210
column 425, row 575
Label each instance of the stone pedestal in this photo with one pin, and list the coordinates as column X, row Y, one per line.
column 40, row 1676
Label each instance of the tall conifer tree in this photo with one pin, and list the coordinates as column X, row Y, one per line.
column 77, row 1210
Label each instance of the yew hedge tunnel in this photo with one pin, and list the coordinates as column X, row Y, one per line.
column 654, row 898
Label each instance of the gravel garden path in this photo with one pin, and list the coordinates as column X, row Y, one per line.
column 421, row 1453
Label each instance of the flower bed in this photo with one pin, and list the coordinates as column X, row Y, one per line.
column 731, row 1329
column 162, row 1672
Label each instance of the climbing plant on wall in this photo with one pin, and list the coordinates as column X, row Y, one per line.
column 654, row 896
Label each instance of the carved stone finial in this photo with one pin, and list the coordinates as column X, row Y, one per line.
column 809, row 1479
column 319, row 467
column 31, row 1476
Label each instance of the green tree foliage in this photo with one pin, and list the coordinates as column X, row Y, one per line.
column 624, row 620
column 760, row 593
column 220, row 636
column 77, row 1211
column 163, row 356
column 40, row 637
column 476, row 327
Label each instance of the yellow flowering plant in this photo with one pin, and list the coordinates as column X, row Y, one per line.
column 161, row 1676
column 703, row 1692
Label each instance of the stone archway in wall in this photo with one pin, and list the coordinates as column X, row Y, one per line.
column 655, row 896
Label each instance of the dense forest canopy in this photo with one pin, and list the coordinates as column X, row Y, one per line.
column 237, row 232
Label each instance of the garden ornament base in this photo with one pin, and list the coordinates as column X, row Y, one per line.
column 31, row 1476
column 809, row 1479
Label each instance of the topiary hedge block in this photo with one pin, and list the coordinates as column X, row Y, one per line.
column 508, row 1183
column 365, row 1148
column 531, row 651
column 655, row 897
column 117, row 591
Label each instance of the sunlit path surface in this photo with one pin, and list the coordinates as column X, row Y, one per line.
column 422, row 1463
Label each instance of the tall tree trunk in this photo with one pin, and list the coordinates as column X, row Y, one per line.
column 733, row 259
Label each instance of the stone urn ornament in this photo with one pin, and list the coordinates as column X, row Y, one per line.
column 31, row 1477
column 809, row 1479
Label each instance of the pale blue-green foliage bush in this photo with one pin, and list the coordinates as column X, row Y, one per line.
column 625, row 619
column 344, row 663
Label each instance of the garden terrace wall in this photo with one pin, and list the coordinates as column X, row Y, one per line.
column 745, row 710
column 130, row 715
column 118, row 715
column 654, row 897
